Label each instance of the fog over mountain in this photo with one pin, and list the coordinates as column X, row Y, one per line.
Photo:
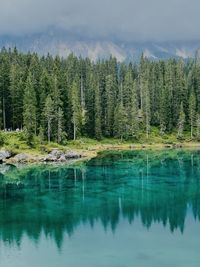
column 62, row 43
column 97, row 29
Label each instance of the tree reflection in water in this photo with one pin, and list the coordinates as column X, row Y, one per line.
column 155, row 186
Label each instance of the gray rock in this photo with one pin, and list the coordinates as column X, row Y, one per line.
column 6, row 168
column 56, row 153
column 72, row 155
column 177, row 146
column 50, row 158
column 168, row 146
column 4, row 154
column 62, row 158
column 20, row 158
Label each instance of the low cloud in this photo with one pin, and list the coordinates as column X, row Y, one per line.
column 124, row 20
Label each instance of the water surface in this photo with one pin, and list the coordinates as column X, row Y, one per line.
column 120, row 209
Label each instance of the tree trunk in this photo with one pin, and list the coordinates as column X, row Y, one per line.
column 49, row 131
column 82, row 95
column 4, row 115
column 74, row 130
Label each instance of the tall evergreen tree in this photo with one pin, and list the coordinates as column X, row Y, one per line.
column 29, row 114
column 192, row 113
column 110, row 92
column 120, row 117
column 60, row 131
column 76, row 110
column 97, row 115
column 181, row 122
column 4, row 88
column 130, row 104
column 49, row 115
column 198, row 127
column 16, row 92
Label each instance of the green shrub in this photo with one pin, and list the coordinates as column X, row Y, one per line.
column 2, row 139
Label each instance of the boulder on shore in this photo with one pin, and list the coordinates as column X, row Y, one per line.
column 177, row 146
column 72, row 155
column 20, row 158
column 4, row 154
column 58, row 155
column 62, row 158
column 54, row 155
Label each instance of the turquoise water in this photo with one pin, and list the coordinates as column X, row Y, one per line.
column 121, row 209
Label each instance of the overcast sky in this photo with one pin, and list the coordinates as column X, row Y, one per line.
column 125, row 20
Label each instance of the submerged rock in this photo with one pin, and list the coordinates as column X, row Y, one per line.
column 4, row 168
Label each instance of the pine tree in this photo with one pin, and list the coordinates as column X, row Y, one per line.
column 110, row 92
column 181, row 122
column 76, row 110
column 4, row 88
column 97, row 115
column 58, row 110
column 167, row 97
column 16, row 92
column 49, row 115
column 198, row 127
column 45, row 87
column 196, row 82
column 147, row 110
column 179, row 91
column 29, row 113
column 60, row 133
column 83, row 107
column 90, row 104
column 192, row 113
column 145, row 94
column 35, row 69
column 130, row 103
column 41, row 135
column 120, row 118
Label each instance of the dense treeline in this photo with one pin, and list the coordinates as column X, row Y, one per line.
column 57, row 98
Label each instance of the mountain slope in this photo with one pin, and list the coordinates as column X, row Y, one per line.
column 59, row 43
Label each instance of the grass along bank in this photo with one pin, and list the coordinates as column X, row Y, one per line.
column 15, row 142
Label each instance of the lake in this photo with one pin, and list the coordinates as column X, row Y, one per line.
column 121, row 209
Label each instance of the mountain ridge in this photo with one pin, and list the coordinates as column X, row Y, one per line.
column 62, row 44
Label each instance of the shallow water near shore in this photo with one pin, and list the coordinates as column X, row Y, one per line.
column 121, row 209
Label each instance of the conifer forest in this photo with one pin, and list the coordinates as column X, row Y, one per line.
column 59, row 99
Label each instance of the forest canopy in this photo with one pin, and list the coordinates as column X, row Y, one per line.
column 57, row 98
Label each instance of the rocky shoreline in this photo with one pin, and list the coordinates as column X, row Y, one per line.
column 55, row 155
